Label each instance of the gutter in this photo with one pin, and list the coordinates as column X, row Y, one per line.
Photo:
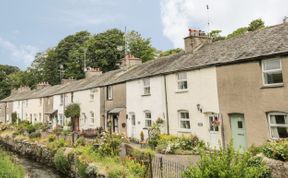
column 166, row 105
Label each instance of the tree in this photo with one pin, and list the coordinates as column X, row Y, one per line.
column 238, row 32
column 170, row 52
column 256, row 25
column 73, row 111
column 4, row 85
column 215, row 35
column 140, row 47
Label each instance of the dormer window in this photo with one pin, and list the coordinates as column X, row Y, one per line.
column 272, row 72
column 182, row 81
column 146, row 86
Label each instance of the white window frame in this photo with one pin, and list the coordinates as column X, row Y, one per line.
column 184, row 119
column 276, row 125
column 146, row 86
column 61, row 99
column 148, row 119
column 92, row 116
column 179, row 80
column 40, row 101
column 92, row 97
column 109, row 92
column 270, row 71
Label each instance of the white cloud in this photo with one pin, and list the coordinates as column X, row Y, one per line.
column 179, row 15
column 22, row 53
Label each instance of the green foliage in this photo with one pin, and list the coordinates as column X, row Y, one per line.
column 56, row 144
column 137, row 169
column 238, row 32
column 256, row 25
column 36, row 134
column 184, row 145
column 170, row 52
column 81, row 168
column 228, row 164
column 61, row 161
column 80, row 142
column 8, row 168
column 216, row 35
column 111, row 145
column 51, row 138
column 276, row 150
column 140, row 47
column 72, row 110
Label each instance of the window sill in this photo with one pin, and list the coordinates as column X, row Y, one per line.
column 146, row 94
column 272, row 86
column 181, row 91
column 185, row 131
column 146, row 128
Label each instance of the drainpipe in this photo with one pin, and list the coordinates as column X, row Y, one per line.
column 222, row 131
column 166, row 105
column 5, row 112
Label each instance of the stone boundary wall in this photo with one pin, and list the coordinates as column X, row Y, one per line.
column 37, row 152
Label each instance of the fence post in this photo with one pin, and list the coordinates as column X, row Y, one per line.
column 161, row 167
column 150, row 164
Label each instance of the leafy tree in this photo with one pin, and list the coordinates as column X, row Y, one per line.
column 102, row 49
column 170, row 52
column 215, row 35
column 4, row 85
column 72, row 110
column 238, row 32
column 140, row 47
column 256, row 25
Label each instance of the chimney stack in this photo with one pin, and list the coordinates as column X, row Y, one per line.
column 90, row 72
column 195, row 40
column 42, row 85
column 130, row 61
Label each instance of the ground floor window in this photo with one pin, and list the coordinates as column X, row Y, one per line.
column 278, row 123
column 184, row 119
column 148, row 121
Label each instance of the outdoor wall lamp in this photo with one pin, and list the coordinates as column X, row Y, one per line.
column 199, row 108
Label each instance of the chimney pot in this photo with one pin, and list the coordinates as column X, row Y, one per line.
column 195, row 40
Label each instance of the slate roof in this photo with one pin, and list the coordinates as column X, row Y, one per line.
column 250, row 46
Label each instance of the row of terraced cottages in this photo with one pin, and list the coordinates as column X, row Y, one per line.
column 231, row 89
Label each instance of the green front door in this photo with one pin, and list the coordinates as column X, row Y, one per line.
column 238, row 131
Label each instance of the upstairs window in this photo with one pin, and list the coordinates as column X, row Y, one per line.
column 40, row 101
column 146, row 86
column 91, row 96
column 182, row 81
column 272, row 72
column 109, row 93
column 72, row 97
column 148, row 121
column 184, row 119
column 61, row 100
column 278, row 123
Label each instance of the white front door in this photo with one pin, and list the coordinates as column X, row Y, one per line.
column 214, row 132
column 133, row 124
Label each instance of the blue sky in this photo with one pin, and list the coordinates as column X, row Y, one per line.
column 29, row 26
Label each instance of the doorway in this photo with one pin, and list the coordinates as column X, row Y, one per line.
column 238, row 131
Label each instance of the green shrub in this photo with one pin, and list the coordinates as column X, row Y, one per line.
column 137, row 169
column 80, row 142
column 228, row 164
column 61, row 161
column 51, row 138
column 111, row 145
column 8, row 168
column 72, row 110
column 30, row 128
column 58, row 143
column 185, row 144
column 276, row 150
column 36, row 134
column 154, row 135
column 81, row 169
column 117, row 172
